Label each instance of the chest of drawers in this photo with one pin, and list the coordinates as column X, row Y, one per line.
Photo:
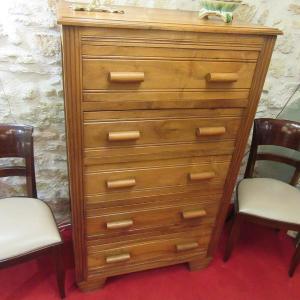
column 159, row 105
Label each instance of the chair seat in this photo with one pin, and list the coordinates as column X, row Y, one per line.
column 26, row 225
column 270, row 199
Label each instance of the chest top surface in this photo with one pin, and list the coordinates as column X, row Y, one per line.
column 160, row 19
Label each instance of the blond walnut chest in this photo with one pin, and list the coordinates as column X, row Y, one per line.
column 159, row 105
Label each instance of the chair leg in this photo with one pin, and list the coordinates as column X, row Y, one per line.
column 233, row 236
column 294, row 262
column 60, row 269
column 230, row 215
column 297, row 239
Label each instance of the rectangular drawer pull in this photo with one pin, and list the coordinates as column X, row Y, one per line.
column 119, row 184
column 117, row 258
column 119, row 224
column 202, row 176
column 127, row 77
column 124, row 136
column 193, row 214
column 222, row 77
column 210, row 131
column 188, row 246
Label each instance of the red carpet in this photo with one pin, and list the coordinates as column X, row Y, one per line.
column 257, row 270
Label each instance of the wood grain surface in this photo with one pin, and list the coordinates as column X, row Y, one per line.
column 159, row 106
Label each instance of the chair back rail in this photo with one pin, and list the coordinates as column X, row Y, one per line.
column 12, row 171
column 275, row 132
column 16, row 142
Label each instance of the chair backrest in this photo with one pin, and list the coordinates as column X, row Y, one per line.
column 275, row 132
column 17, row 141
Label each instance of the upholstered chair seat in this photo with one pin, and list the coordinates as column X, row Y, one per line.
column 26, row 225
column 270, row 199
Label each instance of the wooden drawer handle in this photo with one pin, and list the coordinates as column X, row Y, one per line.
column 194, row 214
column 118, row 258
column 125, row 77
column 119, row 224
column 124, row 136
column 119, row 184
column 188, row 246
column 210, row 131
column 202, row 176
column 222, row 77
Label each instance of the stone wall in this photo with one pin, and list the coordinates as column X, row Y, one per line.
column 31, row 84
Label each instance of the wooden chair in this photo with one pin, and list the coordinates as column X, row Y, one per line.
column 27, row 225
column 267, row 201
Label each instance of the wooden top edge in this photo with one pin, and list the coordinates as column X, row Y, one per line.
column 152, row 18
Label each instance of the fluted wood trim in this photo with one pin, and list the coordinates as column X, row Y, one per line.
column 72, row 90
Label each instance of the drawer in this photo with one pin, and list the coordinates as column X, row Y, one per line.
column 121, row 74
column 116, row 50
column 128, row 221
column 152, row 198
column 181, row 39
column 165, row 249
column 180, row 153
column 130, row 180
column 159, row 127
column 164, row 99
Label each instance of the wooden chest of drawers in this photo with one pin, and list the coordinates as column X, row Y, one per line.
column 159, row 105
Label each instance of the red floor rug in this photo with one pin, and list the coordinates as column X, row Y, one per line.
column 256, row 271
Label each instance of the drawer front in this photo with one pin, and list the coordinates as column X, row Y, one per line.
column 128, row 181
column 117, row 50
column 174, row 39
column 153, row 197
column 158, row 131
column 125, row 223
column 185, row 153
column 138, row 74
column 164, row 99
column 166, row 249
